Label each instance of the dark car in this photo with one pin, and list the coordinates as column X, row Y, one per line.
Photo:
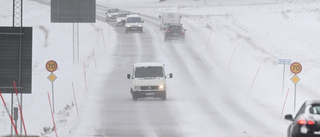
column 307, row 121
column 174, row 31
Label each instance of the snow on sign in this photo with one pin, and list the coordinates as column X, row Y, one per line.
column 51, row 66
column 295, row 67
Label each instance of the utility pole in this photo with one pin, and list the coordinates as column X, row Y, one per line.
column 17, row 22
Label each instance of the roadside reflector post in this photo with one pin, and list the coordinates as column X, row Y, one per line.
column 6, row 107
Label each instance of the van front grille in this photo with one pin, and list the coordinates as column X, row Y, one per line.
column 149, row 87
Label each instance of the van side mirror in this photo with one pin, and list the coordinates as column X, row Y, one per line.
column 128, row 76
column 185, row 29
column 170, row 75
column 142, row 21
column 159, row 16
column 288, row 117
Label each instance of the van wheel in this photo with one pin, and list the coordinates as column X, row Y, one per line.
column 164, row 97
column 134, row 97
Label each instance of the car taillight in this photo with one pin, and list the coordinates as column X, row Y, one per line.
column 311, row 122
column 304, row 122
column 182, row 32
column 167, row 31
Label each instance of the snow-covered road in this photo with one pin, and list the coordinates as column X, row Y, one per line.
column 203, row 100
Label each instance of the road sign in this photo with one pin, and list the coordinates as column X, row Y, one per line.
column 295, row 79
column 16, row 58
column 284, row 61
column 295, row 67
column 51, row 66
column 73, row 11
column 52, row 77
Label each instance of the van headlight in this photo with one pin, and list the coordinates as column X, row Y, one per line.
column 140, row 25
column 128, row 26
column 118, row 20
column 161, row 87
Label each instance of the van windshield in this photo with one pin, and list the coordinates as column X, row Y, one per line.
column 148, row 72
column 122, row 15
column 133, row 20
column 113, row 10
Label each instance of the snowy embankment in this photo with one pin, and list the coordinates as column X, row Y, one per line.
column 54, row 41
column 248, row 41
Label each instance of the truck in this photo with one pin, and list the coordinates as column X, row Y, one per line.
column 169, row 17
column 148, row 80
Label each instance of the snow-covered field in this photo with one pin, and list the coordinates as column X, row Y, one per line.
column 244, row 37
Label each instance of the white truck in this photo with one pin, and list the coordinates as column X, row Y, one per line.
column 148, row 80
column 169, row 17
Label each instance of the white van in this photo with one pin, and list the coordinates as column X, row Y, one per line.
column 148, row 80
column 134, row 23
column 169, row 17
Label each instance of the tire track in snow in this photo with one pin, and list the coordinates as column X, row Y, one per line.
column 234, row 106
column 173, row 54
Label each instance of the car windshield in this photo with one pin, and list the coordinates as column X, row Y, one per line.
column 113, row 10
column 148, row 72
column 134, row 20
column 315, row 109
column 175, row 28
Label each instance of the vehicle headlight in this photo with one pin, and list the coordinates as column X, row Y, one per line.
column 140, row 25
column 110, row 15
column 128, row 26
column 161, row 87
column 118, row 20
column 135, row 88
